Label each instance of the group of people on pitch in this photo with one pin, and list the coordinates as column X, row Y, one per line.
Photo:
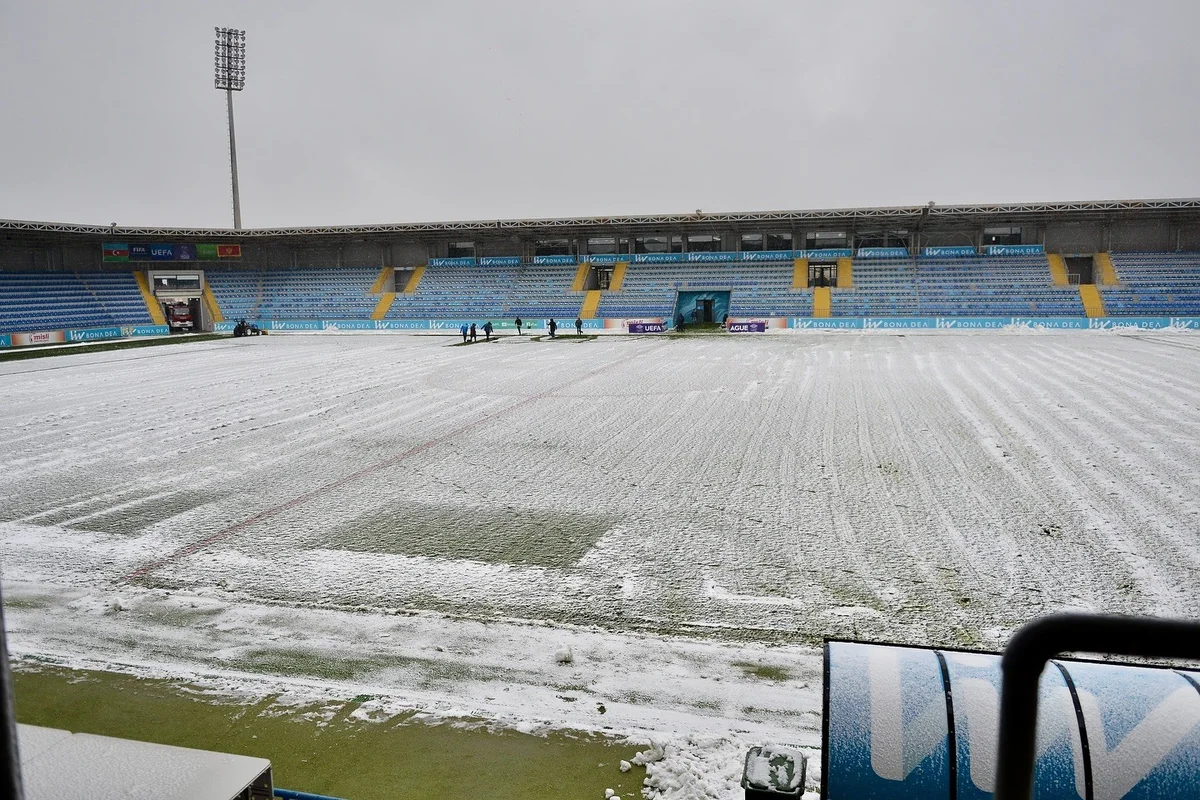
column 469, row 334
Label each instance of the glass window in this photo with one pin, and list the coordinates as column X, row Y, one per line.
column 824, row 240
column 650, row 244
column 676, row 244
column 752, row 241
column 187, row 281
column 703, row 243
column 461, row 250
column 1004, row 234
column 552, row 247
column 601, row 245
column 778, row 241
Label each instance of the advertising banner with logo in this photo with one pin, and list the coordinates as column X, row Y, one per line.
column 500, row 261
column 658, row 258
column 957, row 251
column 646, row 326
column 206, row 252
column 452, row 262
column 830, row 253
column 162, row 252
column 554, row 261
column 93, row 334
column 708, row 258
column 38, row 337
column 185, row 252
column 904, row 723
column 883, row 252
column 607, row 259
column 767, row 255
column 1015, row 250
column 5, row 340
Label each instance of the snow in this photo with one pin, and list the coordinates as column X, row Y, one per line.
column 687, row 518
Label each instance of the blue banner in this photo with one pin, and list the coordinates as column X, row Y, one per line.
column 554, row 261
column 144, row 330
column 891, row 713
column 1015, row 250
column 607, row 259
column 826, row 253
column 708, row 258
column 500, row 261
column 957, row 251
column 883, row 252
column 767, row 255
column 139, row 252
column 452, row 262
column 658, row 258
column 5, row 340
column 185, row 252
column 162, row 252
column 92, row 334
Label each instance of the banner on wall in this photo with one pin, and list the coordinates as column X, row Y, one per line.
column 38, row 337
column 229, row 251
column 1015, row 250
column 883, row 252
column 206, row 252
column 957, row 251
column 767, row 255
column 452, row 262
column 115, row 251
column 168, row 251
column 554, row 261
column 500, row 261
column 646, row 326
column 746, row 326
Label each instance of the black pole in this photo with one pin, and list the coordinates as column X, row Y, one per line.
column 1039, row 641
column 10, row 781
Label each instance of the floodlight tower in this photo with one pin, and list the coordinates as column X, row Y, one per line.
column 230, row 67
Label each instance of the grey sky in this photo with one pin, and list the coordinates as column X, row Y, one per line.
column 421, row 110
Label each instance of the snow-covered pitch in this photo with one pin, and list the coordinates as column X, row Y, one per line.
column 647, row 534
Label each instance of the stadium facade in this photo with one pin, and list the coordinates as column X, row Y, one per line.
column 1040, row 262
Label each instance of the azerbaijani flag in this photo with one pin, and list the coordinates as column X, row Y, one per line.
column 116, row 251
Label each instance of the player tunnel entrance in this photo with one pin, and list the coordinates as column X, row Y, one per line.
column 709, row 307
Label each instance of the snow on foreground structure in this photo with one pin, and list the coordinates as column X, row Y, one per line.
column 688, row 517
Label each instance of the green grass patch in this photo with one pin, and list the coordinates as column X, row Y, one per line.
column 565, row 337
column 765, row 672
column 133, row 519
column 46, row 352
column 350, row 758
column 497, row 535
column 493, row 340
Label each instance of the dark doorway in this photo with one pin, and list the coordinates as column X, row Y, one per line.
column 1080, row 269
column 703, row 312
column 822, row 275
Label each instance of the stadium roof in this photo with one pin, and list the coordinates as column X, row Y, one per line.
column 899, row 214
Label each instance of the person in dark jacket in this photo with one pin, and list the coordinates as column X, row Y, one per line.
column 487, row 330
column 578, row 326
column 518, row 322
column 679, row 322
column 553, row 328
column 463, row 330
column 472, row 331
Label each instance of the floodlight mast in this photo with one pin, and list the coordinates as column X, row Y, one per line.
column 229, row 64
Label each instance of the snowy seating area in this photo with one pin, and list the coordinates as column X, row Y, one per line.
column 998, row 286
column 321, row 293
column 883, row 287
column 756, row 289
column 1154, row 284
column 459, row 292
column 33, row 301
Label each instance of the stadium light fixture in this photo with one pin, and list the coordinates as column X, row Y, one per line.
column 229, row 64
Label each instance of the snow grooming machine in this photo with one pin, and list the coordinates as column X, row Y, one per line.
column 910, row 723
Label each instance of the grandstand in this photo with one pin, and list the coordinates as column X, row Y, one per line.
column 1136, row 259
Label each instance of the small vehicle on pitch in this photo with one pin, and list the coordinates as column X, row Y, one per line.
column 179, row 317
column 244, row 328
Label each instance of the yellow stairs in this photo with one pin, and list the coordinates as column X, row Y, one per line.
column 822, row 301
column 591, row 302
column 1106, row 273
column 152, row 304
column 414, row 279
column 581, row 276
column 618, row 276
column 1093, row 304
column 210, row 300
column 800, row 273
column 845, row 276
column 385, row 302
column 1058, row 270
column 381, row 281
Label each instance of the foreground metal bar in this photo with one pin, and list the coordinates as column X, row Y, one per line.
column 10, row 758
column 1038, row 642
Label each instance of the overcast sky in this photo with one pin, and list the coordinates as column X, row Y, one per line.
column 405, row 110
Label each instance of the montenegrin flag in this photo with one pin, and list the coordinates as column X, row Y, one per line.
column 116, row 251
column 229, row 251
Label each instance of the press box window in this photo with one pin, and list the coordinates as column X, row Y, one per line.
column 752, row 242
column 552, row 247
column 703, row 243
column 778, row 241
column 1002, row 235
column 825, row 240
column 461, row 250
column 601, row 245
column 177, row 282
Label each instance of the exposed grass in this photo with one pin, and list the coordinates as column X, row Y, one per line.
column 100, row 347
column 764, row 672
column 351, row 758
column 565, row 337
column 493, row 340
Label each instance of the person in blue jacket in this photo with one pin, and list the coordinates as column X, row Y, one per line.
column 463, row 330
